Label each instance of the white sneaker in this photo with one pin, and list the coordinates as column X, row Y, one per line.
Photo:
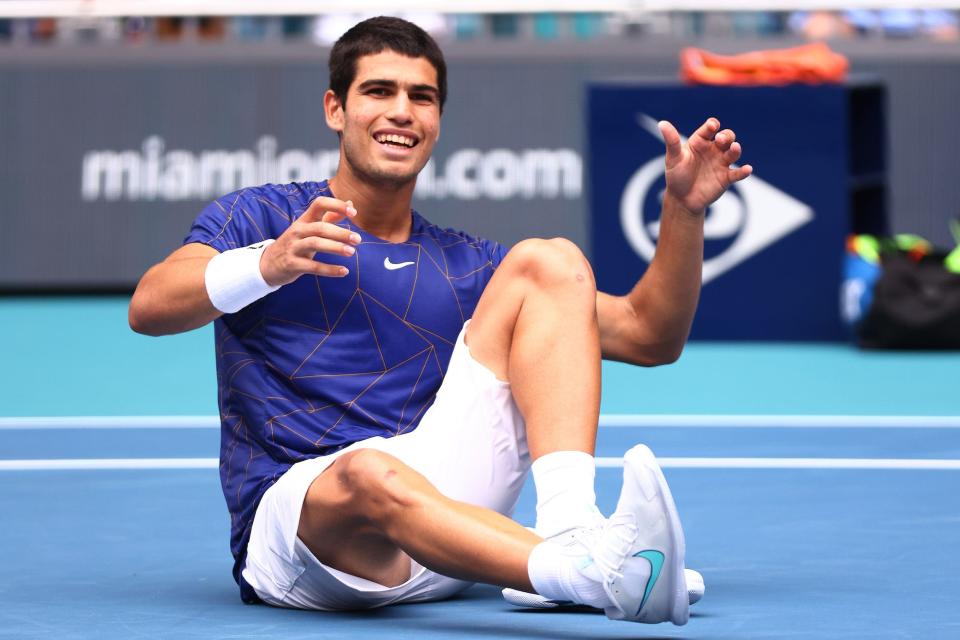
column 637, row 555
column 640, row 553
column 695, row 591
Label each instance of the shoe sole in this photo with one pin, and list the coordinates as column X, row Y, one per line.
column 528, row 600
column 642, row 459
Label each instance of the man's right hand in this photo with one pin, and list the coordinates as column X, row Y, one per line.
column 291, row 255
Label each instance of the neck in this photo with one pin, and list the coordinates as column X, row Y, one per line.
column 382, row 209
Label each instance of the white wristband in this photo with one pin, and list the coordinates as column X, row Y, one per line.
column 233, row 278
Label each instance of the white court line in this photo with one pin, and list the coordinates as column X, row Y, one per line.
column 109, row 422
column 96, row 464
column 606, row 420
column 795, row 463
column 779, row 420
column 677, row 463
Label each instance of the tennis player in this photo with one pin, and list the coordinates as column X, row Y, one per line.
column 385, row 385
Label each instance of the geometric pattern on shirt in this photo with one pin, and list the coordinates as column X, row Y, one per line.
column 394, row 359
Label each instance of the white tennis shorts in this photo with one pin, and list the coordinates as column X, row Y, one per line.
column 471, row 445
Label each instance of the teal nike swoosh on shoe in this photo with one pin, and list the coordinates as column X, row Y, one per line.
column 655, row 558
column 638, row 554
column 695, row 591
column 641, row 551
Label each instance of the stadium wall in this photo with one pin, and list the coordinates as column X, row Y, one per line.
column 109, row 152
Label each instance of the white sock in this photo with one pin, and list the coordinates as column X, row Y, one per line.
column 565, row 494
column 556, row 575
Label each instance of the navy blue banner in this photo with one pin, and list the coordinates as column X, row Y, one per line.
column 774, row 242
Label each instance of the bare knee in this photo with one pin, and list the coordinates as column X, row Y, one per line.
column 550, row 263
column 375, row 484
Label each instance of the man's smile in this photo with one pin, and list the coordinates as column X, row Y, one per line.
column 396, row 139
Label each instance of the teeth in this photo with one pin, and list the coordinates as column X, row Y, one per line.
column 395, row 139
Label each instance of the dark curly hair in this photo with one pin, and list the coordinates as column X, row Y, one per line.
column 381, row 34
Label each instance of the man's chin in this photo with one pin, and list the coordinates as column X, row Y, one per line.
column 394, row 180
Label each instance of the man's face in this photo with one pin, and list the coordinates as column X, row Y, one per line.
column 391, row 119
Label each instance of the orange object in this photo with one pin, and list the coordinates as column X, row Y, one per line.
column 813, row 63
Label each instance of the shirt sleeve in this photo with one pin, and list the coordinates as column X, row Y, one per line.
column 235, row 220
column 496, row 251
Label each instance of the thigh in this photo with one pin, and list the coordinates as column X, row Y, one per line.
column 286, row 572
column 470, row 445
column 273, row 564
column 338, row 531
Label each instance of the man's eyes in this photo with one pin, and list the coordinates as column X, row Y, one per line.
column 383, row 92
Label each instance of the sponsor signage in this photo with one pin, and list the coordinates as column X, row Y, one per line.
column 97, row 191
column 154, row 172
column 773, row 243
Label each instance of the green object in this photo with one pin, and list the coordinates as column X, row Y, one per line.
column 912, row 242
column 952, row 261
column 867, row 247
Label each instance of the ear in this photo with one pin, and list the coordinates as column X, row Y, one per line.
column 333, row 111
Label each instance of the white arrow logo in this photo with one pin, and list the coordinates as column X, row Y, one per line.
column 761, row 214
column 395, row 265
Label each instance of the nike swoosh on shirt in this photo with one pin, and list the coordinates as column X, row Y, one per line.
column 395, row 265
column 655, row 558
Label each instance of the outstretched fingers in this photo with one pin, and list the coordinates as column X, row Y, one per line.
column 725, row 139
column 307, row 265
column 737, row 174
column 328, row 210
column 315, row 232
column 672, row 140
column 732, row 154
column 705, row 133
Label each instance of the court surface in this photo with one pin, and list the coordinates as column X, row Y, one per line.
column 818, row 487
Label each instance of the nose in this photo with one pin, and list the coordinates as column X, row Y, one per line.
column 400, row 109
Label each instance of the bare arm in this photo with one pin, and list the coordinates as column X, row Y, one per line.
column 650, row 325
column 172, row 296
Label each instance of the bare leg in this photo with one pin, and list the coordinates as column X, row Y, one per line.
column 369, row 513
column 536, row 326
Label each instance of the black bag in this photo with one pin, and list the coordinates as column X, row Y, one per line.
column 916, row 304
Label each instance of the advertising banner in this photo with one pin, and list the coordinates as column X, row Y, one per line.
column 773, row 243
column 105, row 167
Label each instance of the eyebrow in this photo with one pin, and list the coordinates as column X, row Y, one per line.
column 377, row 82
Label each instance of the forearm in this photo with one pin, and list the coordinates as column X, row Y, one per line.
column 650, row 324
column 172, row 298
column 664, row 300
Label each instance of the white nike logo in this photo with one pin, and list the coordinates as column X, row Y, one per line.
column 393, row 265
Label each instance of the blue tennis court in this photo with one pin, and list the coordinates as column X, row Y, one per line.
column 818, row 487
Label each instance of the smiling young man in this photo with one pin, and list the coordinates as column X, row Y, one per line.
column 385, row 385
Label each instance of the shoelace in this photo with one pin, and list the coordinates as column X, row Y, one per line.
column 615, row 543
column 585, row 537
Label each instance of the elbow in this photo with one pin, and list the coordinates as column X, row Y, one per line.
column 136, row 320
column 139, row 316
column 670, row 353
column 657, row 355
column 668, row 356
column 137, row 325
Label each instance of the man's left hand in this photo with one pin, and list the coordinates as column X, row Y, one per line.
column 699, row 171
